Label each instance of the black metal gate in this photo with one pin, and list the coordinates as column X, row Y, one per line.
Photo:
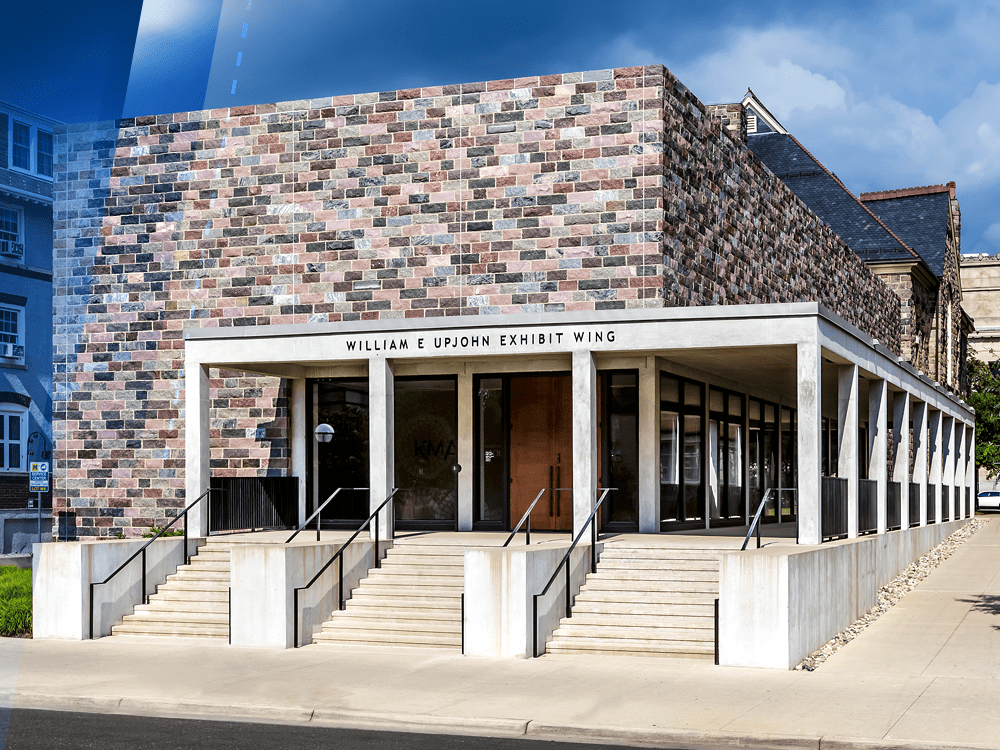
column 251, row 503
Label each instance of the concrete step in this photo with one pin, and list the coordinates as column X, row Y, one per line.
column 190, row 595
column 396, row 565
column 617, row 552
column 151, row 615
column 604, row 619
column 181, row 605
column 187, row 574
column 599, row 583
column 585, row 606
column 404, row 611
column 594, row 594
column 569, row 629
column 188, row 584
column 410, row 592
column 608, row 647
column 352, row 621
column 172, row 629
column 387, row 637
column 207, row 566
column 382, row 579
column 623, row 574
column 619, row 564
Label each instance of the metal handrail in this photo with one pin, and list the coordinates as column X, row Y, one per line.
column 565, row 562
column 320, row 510
column 760, row 508
column 339, row 555
column 144, row 598
column 526, row 517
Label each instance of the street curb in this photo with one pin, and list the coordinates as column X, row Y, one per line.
column 676, row 739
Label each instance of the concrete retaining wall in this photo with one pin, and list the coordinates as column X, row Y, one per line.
column 779, row 604
column 500, row 583
column 63, row 572
column 264, row 577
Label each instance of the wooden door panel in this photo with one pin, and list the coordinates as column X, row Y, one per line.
column 541, row 449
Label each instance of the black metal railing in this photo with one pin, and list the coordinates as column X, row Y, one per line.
column 141, row 552
column 316, row 513
column 526, row 519
column 931, row 503
column 834, row 511
column 590, row 523
column 894, row 506
column 914, row 504
column 339, row 555
column 867, row 506
column 755, row 522
column 253, row 503
column 945, row 499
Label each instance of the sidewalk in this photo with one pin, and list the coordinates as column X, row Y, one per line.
column 926, row 674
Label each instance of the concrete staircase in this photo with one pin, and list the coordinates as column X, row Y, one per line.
column 194, row 601
column 414, row 599
column 644, row 600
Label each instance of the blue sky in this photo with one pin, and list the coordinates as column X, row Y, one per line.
column 886, row 94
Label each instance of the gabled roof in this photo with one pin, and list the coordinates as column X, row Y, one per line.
column 824, row 193
column 764, row 121
column 919, row 216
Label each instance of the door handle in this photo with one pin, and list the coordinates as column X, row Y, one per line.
column 558, row 484
column 551, row 490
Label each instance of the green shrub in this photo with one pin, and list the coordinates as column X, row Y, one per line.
column 15, row 601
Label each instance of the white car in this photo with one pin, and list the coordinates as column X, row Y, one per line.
column 988, row 500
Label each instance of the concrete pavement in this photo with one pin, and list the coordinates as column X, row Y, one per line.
column 926, row 674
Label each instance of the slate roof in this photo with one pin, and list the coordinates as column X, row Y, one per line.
column 826, row 195
column 921, row 221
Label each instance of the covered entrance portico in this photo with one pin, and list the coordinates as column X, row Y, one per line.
column 693, row 414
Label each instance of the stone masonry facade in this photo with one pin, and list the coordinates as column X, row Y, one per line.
column 585, row 191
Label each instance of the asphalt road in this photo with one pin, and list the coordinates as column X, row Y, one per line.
column 52, row 730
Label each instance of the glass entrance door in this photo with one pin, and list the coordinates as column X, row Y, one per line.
column 343, row 462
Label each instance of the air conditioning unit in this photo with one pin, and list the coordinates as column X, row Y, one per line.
column 7, row 351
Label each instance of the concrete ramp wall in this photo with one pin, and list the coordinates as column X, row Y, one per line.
column 779, row 604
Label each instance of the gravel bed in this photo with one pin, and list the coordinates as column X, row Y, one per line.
column 892, row 592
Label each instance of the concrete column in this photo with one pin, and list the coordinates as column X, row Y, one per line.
column 584, row 438
column 878, row 417
column 197, row 454
column 810, row 443
column 649, row 448
column 901, row 453
column 970, row 467
column 467, row 403
column 847, row 437
column 959, row 481
column 381, row 431
column 948, row 465
column 919, row 415
column 934, row 443
column 298, row 437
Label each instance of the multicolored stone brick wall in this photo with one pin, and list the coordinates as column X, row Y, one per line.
column 582, row 191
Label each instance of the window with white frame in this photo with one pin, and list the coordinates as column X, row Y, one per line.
column 11, row 227
column 43, row 153
column 13, row 438
column 30, row 148
column 21, row 146
column 11, row 334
